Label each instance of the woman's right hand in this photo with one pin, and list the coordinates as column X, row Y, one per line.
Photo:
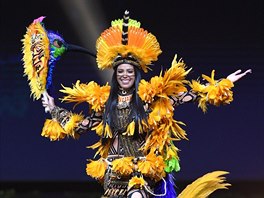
column 47, row 102
column 235, row 76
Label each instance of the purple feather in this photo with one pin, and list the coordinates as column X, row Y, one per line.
column 170, row 187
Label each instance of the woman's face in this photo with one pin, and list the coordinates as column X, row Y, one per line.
column 125, row 75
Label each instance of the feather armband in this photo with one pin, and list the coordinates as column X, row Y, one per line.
column 53, row 130
column 56, row 131
column 215, row 92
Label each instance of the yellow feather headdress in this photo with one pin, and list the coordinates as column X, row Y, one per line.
column 126, row 42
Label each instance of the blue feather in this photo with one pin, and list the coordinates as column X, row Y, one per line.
column 170, row 187
column 50, row 73
column 55, row 55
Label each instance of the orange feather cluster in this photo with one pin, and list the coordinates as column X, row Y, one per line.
column 141, row 44
column 164, row 127
column 123, row 166
column 215, row 92
column 96, row 169
column 53, row 130
column 91, row 93
column 153, row 166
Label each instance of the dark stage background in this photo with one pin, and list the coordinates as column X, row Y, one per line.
column 220, row 35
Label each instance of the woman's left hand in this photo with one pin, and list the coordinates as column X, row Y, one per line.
column 237, row 75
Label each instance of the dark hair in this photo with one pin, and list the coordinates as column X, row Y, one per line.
column 137, row 108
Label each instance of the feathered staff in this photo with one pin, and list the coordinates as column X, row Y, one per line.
column 41, row 50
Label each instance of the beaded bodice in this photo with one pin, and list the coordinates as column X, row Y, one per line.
column 127, row 145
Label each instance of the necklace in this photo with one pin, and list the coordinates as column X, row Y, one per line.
column 123, row 101
column 124, row 92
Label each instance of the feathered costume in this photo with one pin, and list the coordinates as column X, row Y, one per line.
column 147, row 157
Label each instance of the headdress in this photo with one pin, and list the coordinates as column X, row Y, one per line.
column 126, row 42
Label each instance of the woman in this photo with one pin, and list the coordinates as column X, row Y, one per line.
column 134, row 118
column 122, row 106
column 125, row 80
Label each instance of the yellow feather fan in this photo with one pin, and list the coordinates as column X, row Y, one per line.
column 36, row 56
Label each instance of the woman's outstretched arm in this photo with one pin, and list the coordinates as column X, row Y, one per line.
column 190, row 96
column 72, row 124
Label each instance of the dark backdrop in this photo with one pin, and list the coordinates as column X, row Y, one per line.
column 220, row 35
